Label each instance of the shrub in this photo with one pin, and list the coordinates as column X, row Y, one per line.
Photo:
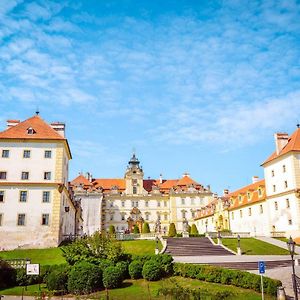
column 232, row 277
column 84, row 278
column 112, row 278
column 111, row 229
column 57, row 281
column 135, row 269
column 194, row 229
column 7, row 275
column 189, row 228
column 122, row 266
column 152, row 271
column 172, row 230
column 136, row 229
column 146, row 228
column 165, row 262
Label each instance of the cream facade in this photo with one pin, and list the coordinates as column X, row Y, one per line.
column 36, row 209
column 135, row 200
column 269, row 207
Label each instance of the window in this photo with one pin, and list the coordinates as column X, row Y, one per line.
column 123, row 203
column 241, row 213
column 23, row 196
column 47, row 175
column 46, row 196
column 272, row 172
column 232, row 216
column 259, row 192
column 287, row 203
column 248, row 195
column 111, row 217
column 132, row 203
column 274, row 188
column 192, row 201
column 165, row 217
column 285, row 184
column 1, row 196
column 123, row 217
column 290, row 222
column 2, row 175
column 249, row 211
column 45, row 219
column 5, row 153
column 30, row 130
column 147, row 217
column 283, row 169
column 21, row 220
column 26, row 154
column 25, row 175
column 134, row 181
column 240, row 198
column 136, row 204
column 193, row 214
column 134, row 190
column 183, row 214
column 1, row 219
column 261, row 209
column 48, row 154
column 182, row 201
column 112, row 204
column 146, row 203
column 276, row 205
column 165, row 203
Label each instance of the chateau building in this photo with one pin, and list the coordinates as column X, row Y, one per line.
column 36, row 207
column 266, row 207
column 133, row 200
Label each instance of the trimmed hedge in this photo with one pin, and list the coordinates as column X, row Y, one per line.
column 135, row 269
column 152, row 271
column 7, row 275
column 237, row 278
column 84, row 278
column 112, row 278
column 172, row 230
column 122, row 267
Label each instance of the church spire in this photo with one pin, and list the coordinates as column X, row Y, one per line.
column 134, row 162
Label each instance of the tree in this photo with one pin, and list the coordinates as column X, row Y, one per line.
column 111, row 229
column 146, row 228
column 189, row 229
column 194, row 229
column 136, row 229
column 172, row 230
column 93, row 249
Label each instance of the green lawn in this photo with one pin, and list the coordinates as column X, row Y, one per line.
column 140, row 247
column 49, row 256
column 283, row 239
column 53, row 256
column 252, row 246
column 141, row 289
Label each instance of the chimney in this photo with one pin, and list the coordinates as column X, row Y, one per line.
column 225, row 192
column 281, row 139
column 255, row 179
column 12, row 123
column 160, row 179
column 59, row 127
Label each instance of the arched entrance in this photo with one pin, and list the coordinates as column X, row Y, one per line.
column 135, row 218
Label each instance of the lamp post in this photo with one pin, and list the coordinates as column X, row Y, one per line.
column 239, row 252
column 206, row 223
column 219, row 237
column 291, row 248
column 156, row 245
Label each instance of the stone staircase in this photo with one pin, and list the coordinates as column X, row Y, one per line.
column 194, row 247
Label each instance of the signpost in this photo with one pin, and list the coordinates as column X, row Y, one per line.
column 262, row 270
column 32, row 269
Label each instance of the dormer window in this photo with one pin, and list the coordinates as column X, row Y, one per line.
column 30, row 130
column 259, row 192
column 240, row 198
column 248, row 195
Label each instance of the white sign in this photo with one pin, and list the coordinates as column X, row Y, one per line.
column 32, row 269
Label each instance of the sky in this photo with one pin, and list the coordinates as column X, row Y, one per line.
column 190, row 86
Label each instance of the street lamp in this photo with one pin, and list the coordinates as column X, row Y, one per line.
column 291, row 248
column 206, row 223
column 239, row 241
column 156, row 245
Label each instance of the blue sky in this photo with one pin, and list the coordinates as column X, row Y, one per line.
column 193, row 86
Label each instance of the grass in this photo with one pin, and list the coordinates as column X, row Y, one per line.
column 252, row 246
column 141, row 289
column 140, row 247
column 53, row 256
column 49, row 256
column 283, row 239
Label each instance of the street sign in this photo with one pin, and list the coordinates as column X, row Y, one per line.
column 32, row 269
column 261, row 267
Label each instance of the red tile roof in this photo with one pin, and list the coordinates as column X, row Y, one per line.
column 254, row 197
column 42, row 130
column 108, row 183
column 293, row 144
column 80, row 179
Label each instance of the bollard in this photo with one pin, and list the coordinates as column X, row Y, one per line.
column 281, row 293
